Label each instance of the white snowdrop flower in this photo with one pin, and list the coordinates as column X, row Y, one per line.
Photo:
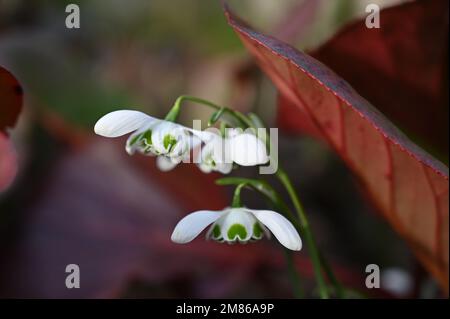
column 242, row 148
column 161, row 138
column 237, row 225
column 171, row 142
column 213, row 156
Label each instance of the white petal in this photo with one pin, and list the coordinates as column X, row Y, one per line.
column 121, row 122
column 205, row 136
column 281, row 227
column 217, row 150
column 248, row 150
column 205, row 168
column 165, row 164
column 193, row 224
column 195, row 142
column 224, row 168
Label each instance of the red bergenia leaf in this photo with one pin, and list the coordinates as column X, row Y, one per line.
column 402, row 67
column 11, row 96
column 407, row 184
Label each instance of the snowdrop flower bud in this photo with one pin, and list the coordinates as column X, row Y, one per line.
column 241, row 225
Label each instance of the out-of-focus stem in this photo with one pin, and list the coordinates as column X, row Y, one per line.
column 293, row 274
column 173, row 113
column 309, row 239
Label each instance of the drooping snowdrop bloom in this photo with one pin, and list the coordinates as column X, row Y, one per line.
column 242, row 148
column 214, row 156
column 237, row 225
column 169, row 141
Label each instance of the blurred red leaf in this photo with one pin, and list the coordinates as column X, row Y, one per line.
column 407, row 184
column 8, row 162
column 402, row 67
column 10, row 105
column 11, row 96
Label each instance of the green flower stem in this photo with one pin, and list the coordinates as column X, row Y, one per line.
column 309, row 239
column 293, row 274
column 338, row 288
column 173, row 113
column 237, row 196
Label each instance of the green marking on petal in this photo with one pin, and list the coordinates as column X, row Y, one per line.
column 257, row 230
column 148, row 149
column 216, row 231
column 147, row 136
column 135, row 139
column 169, row 141
column 237, row 230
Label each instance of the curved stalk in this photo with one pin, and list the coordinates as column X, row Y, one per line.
column 173, row 113
column 237, row 196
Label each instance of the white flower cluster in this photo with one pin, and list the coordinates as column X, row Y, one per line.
column 172, row 143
